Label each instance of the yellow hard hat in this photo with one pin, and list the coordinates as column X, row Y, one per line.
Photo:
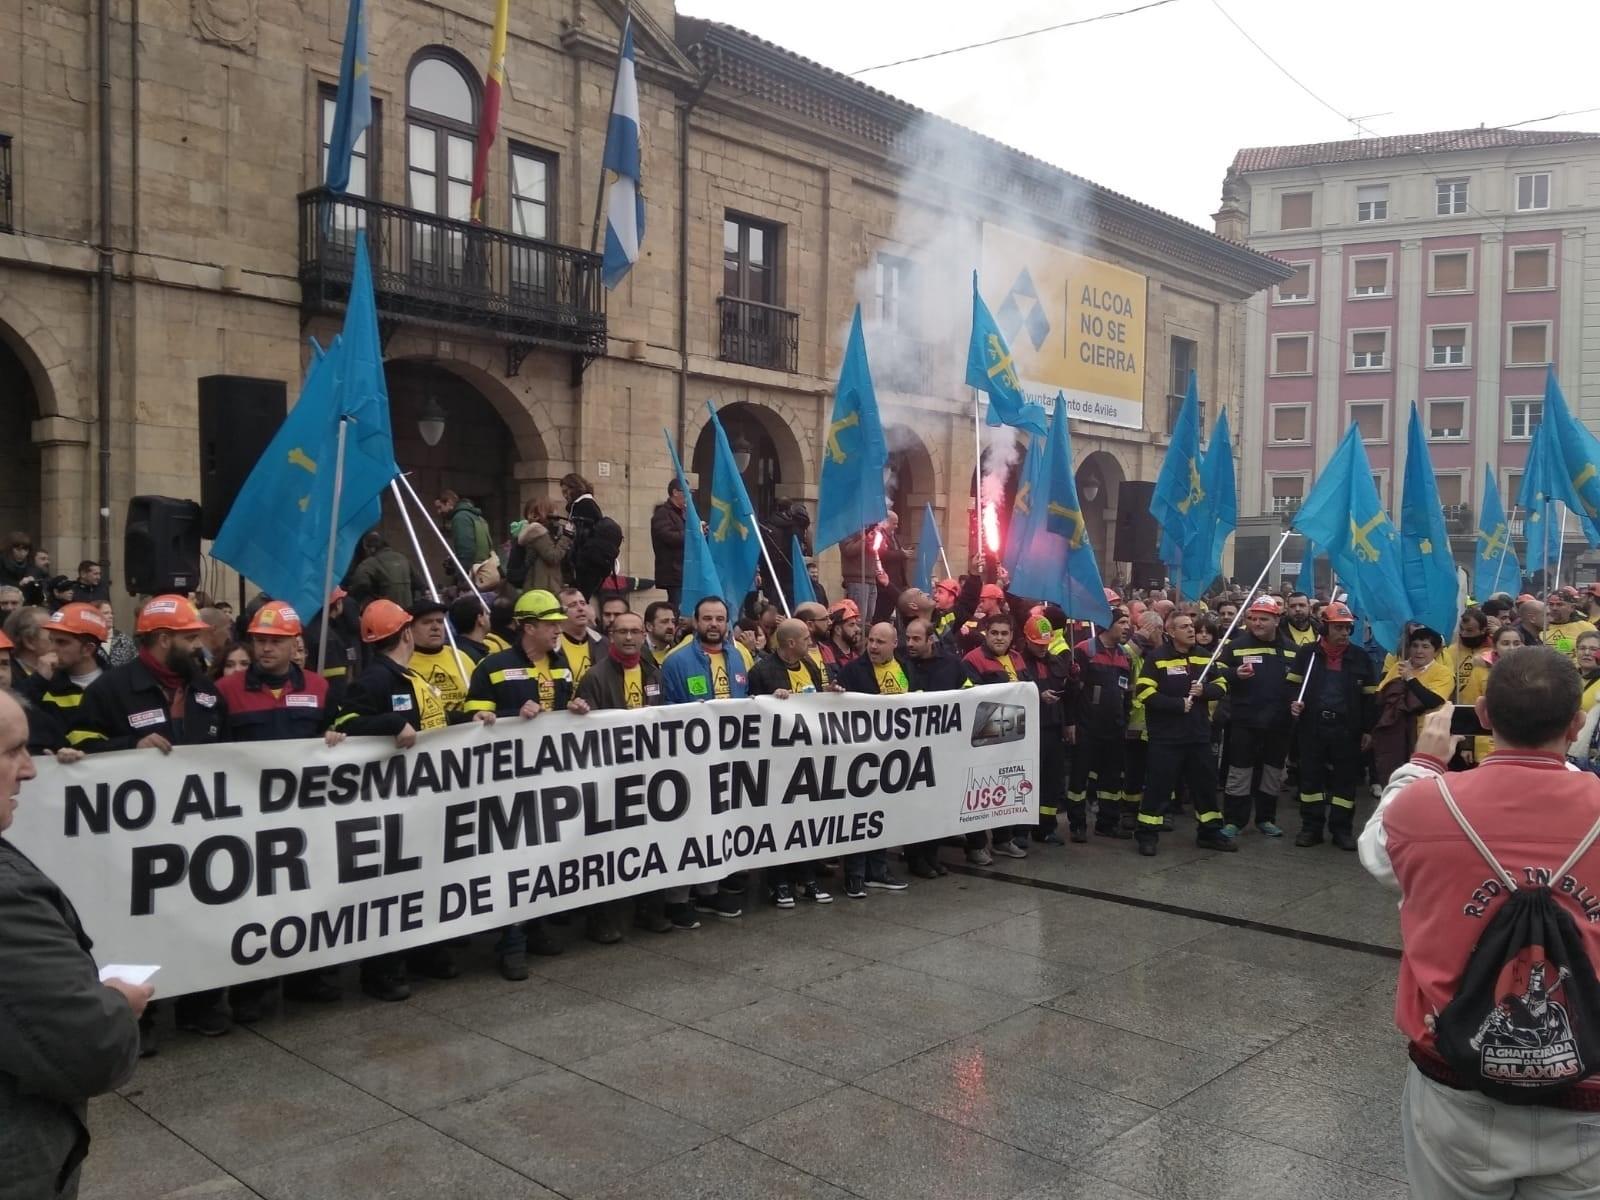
column 539, row 605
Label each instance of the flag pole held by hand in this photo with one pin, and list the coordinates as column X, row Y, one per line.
column 1254, row 587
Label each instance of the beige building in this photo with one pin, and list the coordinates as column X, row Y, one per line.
column 164, row 228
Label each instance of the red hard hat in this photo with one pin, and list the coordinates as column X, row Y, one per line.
column 276, row 618
column 383, row 619
column 5, row 642
column 845, row 610
column 1338, row 612
column 947, row 585
column 992, row 591
column 81, row 620
column 1112, row 598
column 1265, row 606
column 173, row 613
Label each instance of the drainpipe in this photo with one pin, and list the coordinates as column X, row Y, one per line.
column 103, row 284
column 683, row 261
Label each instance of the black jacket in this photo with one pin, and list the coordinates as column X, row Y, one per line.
column 1261, row 698
column 54, row 704
column 667, row 528
column 858, row 675
column 1052, row 673
column 387, row 697
column 67, row 1038
column 604, row 685
column 127, row 704
column 504, row 682
column 1164, row 682
column 771, row 674
column 1105, row 688
column 1350, row 693
column 941, row 673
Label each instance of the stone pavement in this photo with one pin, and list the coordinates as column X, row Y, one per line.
column 973, row 1037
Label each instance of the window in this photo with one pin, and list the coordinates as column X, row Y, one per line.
column 1533, row 191
column 363, row 166
column 1286, row 494
column 1372, row 202
column 1289, row 423
column 1450, row 197
column 1294, row 210
column 1508, row 497
column 441, row 136
column 1452, row 271
column 533, row 192
column 1451, row 489
column 1297, row 288
column 893, row 292
column 1369, row 350
column 1371, row 417
column 1291, row 354
column 1447, row 420
column 1183, row 356
column 1369, row 276
column 749, row 259
column 1447, row 346
column 1529, row 345
column 1530, row 268
column 1525, row 412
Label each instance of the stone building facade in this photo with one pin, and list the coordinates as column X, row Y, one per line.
column 165, row 228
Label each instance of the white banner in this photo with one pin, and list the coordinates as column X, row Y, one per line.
column 229, row 863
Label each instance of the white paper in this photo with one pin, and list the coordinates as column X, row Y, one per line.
column 127, row 973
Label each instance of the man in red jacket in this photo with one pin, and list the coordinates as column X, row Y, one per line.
column 1531, row 811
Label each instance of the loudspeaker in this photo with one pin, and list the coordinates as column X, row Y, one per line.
column 1138, row 535
column 238, row 418
column 161, row 546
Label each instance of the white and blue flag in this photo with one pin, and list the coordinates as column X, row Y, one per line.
column 624, row 200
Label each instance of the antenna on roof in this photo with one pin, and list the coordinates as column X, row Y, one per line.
column 1361, row 130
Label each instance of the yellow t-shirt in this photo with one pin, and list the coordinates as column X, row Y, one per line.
column 633, row 687
column 1564, row 637
column 430, row 704
column 800, row 679
column 1301, row 637
column 891, row 678
column 821, row 664
column 447, row 671
column 578, row 657
column 1011, row 671
column 719, row 675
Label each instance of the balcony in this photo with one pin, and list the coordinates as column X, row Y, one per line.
column 1458, row 518
column 444, row 274
column 912, row 367
column 758, row 335
column 5, row 184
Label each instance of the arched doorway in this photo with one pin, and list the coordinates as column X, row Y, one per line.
column 755, row 452
column 20, row 505
column 1099, row 478
column 473, row 453
column 908, row 479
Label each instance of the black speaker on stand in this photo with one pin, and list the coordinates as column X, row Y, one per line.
column 239, row 416
column 161, row 546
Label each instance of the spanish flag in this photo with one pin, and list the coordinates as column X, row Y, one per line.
column 491, row 109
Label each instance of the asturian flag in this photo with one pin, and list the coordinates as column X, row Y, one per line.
column 624, row 199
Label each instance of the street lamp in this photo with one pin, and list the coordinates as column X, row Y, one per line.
column 430, row 420
column 741, row 453
column 1090, row 491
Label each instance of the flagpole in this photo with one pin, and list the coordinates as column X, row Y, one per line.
column 427, row 575
column 600, row 188
column 333, row 545
column 1560, row 548
column 772, row 572
column 466, row 575
column 977, row 450
column 1250, row 595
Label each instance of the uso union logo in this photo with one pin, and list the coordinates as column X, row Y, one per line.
column 996, row 792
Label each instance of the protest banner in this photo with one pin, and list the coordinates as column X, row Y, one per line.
column 229, row 863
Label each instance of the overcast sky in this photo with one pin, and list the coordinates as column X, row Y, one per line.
column 1154, row 104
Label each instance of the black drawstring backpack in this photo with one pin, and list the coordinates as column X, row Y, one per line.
column 1524, row 1024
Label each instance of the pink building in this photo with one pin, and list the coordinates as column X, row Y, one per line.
column 1444, row 270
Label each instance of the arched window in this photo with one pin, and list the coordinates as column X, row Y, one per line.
column 441, row 134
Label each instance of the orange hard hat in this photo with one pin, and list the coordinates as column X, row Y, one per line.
column 383, row 619
column 175, row 614
column 276, row 618
column 1112, row 598
column 844, row 610
column 1265, row 605
column 5, row 642
column 1037, row 629
column 947, row 585
column 80, row 620
column 1338, row 612
column 992, row 591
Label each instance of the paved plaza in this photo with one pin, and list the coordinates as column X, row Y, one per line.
column 1082, row 1025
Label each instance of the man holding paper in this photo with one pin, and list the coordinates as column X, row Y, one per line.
column 67, row 1036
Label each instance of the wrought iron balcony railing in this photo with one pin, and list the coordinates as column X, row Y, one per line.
column 5, row 183
column 758, row 335
column 433, row 271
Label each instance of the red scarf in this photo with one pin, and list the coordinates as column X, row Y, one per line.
column 626, row 661
column 171, row 682
column 1334, row 655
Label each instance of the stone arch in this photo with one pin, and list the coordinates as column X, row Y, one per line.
column 789, row 429
column 914, row 478
column 46, row 360
column 1101, row 472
